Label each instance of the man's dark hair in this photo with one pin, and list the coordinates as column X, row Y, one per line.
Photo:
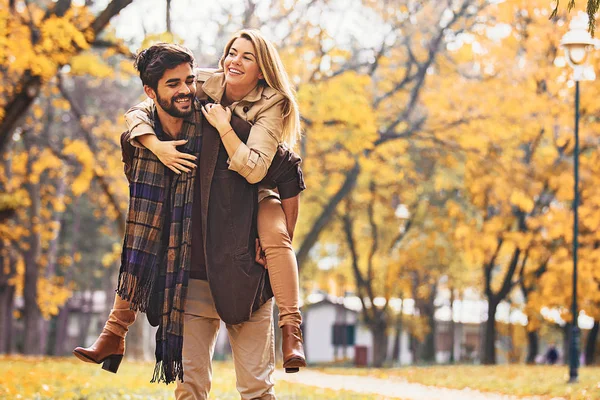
column 155, row 60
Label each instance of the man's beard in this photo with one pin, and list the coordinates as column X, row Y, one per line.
column 170, row 107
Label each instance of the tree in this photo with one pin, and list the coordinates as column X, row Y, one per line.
column 518, row 172
column 41, row 43
column 591, row 8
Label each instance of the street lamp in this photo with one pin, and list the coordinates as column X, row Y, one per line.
column 576, row 42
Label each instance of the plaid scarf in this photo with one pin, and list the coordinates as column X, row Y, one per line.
column 157, row 245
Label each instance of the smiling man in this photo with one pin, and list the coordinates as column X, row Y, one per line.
column 176, row 227
column 195, row 195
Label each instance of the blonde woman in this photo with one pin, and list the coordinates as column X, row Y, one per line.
column 252, row 84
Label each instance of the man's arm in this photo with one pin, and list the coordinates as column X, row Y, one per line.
column 140, row 124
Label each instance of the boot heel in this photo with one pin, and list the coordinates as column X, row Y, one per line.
column 291, row 370
column 111, row 363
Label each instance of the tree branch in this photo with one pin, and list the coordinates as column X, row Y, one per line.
column 327, row 213
column 91, row 142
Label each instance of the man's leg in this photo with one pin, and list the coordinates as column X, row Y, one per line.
column 253, row 349
column 200, row 329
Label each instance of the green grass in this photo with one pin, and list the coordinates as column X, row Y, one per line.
column 68, row 378
column 519, row 380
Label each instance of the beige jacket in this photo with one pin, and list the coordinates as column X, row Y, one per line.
column 262, row 108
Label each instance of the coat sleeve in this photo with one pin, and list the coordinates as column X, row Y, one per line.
column 139, row 120
column 253, row 159
column 285, row 173
column 127, row 154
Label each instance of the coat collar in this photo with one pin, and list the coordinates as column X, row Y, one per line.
column 214, row 87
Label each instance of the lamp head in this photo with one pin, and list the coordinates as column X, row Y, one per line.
column 577, row 40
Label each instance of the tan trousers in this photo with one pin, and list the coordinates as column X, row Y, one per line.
column 281, row 260
column 252, row 345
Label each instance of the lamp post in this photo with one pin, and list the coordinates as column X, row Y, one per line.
column 576, row 43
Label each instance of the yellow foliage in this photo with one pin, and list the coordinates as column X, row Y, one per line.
column 90, row 64
column 52, row 294
column 83, row 154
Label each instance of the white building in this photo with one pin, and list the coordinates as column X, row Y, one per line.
column 333, row 332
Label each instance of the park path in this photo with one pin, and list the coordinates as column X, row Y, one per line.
column 393, row 387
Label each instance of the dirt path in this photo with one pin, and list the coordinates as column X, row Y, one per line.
column 395, row 388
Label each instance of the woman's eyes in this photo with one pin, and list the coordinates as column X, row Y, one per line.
column 232, row 54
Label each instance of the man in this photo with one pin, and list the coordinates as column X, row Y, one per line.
column 177, row 230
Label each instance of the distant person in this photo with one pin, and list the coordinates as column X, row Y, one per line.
column 552, row 355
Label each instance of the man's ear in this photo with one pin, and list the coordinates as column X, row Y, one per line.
column 149, row 92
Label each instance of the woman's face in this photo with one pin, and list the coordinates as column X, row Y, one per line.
column 241, row 65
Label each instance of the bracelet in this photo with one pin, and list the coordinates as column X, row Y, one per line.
column 225, row 134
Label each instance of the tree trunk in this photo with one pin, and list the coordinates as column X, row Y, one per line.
column 489, row 344
column 380, row 343
column 427, row 309
column 62, row 322
column 31, row 310
column 169, row 16
column 397, row 344
column 397, row 350
column 85, row 319
column 7, row 301
column 328, row 212
column 414, row 346
column 533, row 346
column 28, row 89
column 590, row 344
column 428, row 352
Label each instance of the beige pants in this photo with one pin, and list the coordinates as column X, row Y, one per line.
column 252, row 345
column 281, row 260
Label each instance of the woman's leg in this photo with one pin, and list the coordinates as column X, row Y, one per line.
column 281, row 260
column 283, row 274
column 110, row 345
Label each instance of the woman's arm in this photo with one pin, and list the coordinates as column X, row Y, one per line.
column 253, row 159
column 139, row 120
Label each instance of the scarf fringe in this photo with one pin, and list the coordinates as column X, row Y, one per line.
column 169, row 366
column 167, row 372
column 135, row 290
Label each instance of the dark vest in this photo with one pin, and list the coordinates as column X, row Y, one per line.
column 229, row 204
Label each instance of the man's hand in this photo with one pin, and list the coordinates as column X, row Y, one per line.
column 167, row 153
column 261, row 257
column 218, row 116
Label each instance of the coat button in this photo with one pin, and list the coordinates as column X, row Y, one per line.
column 246, row 109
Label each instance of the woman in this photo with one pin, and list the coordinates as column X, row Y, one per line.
column 252, row 84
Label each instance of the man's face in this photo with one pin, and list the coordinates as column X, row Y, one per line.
column 175, row 91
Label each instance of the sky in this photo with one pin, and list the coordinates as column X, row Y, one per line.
column 193, row 19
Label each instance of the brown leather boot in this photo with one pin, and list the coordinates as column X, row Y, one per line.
column 292, row 348
column 109, row 348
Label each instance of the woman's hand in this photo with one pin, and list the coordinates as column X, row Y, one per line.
column 167, row 153
column 218, row 116
column 261, row 257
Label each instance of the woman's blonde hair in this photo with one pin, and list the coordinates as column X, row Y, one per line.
column 276, row 77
